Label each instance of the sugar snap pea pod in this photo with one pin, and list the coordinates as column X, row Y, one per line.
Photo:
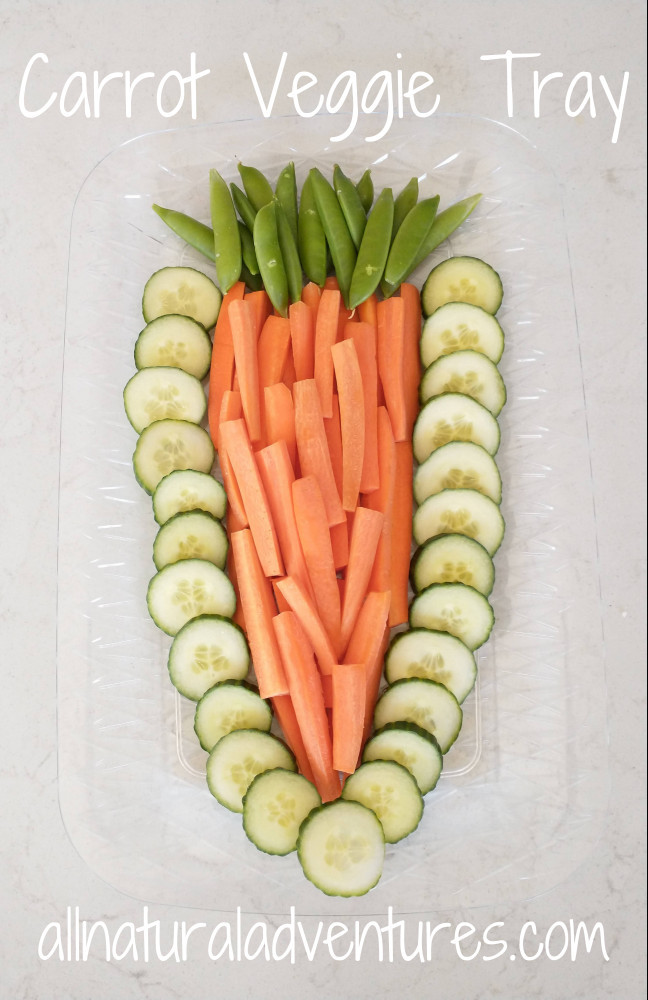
column 286, row 195
column 289, row 253
column 311, row 238
column 351, row 205
column 338, row 238
column 445, row 224
column 227, row 240
column 407, row 244
column 365, row 189
column 257, row 186
column 268, row 251
column 247, row 249
column 404, row 203
column 372, row 255
column 196, row 234
column 243, row 206
column 253, row 281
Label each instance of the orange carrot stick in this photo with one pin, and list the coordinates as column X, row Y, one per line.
column 326, row 331
column 280, row 417
column 283, row 709
column 383, row 500
column 391, row 337
column 244, row 338
column 401, row 533
column 272, row 350
column 352, row 419
column 367, row 646
column 278, row 477
column 364, row 338
column 411, row 354
column 327, row 688
column 311, row 295
column 258, row 607
column 231, row 409
column 308, row 700
column 280, row 600
column 340, row 545
column 289, row 375
column 302, row 334
column 333, row 431
column 299, row 602
column 315, row 539
column 367, row 526
column 261, row 307
column 349, row 695
column 221, row 370
column 367, row 311
column 312, row 447
column 255, row 502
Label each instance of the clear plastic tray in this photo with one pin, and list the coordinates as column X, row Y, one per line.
column 524, row 790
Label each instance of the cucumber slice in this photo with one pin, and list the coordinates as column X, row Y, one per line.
column 409, row 745
column 206, row 650
column 460, row 512
column 190, row 535
column 460, row 326
column 181, row 291
column 237, row 759
column 425, row 703
column 436, row 656
column 453, row 559
column 186, row 489
column 453, row 417
column 462, row 279
column 187, row 589
column 458, row 465
column 166, row 445
column 454, row 608
column 468, row 372
column 227, row 706
column 174, row 342
column 274, row 807
column 341, row 848
column 389, row 790
column 156, row 393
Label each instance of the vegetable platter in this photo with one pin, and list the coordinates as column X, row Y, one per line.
column 133, row 751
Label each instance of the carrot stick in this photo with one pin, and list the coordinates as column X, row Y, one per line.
column 299, row 602
column 283, row 709
column 261, row 308
column 367, row 526
column 308, row 700
column 280, row 600
column 383, row 500
column 221, row 370
column 272, row 350
column 331, row 283
column 411, row 354
column 244, row 338
column 367, row 646
column 333, row 431
column 278, row 477
column 349, row 694
column 231, row 409
column 391, row 336
column 302, row 334
column 238, row 615
column 280, row 417
column 258, row 607
column 352, row 419
column 312, row 447
column 255, row 502
column 364, row 338
column 289, row 375
column 401, row 533
column 326, row 331
column 340, row 545
column 311, row 295
column 327, row 688
column 367, row 311
column 315, row 541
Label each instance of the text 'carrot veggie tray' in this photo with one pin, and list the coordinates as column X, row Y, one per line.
column 300, row 421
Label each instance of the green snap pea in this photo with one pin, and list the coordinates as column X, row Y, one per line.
column 351, row 205
column 311, row 238
column 408, row 242
column 372, row 255
column 365, row 189
column 257, row 187
column 227, row 240
column 404, row 203
column 445, row 224
column 286, row 195
column 243, row 206
column 268, row 251
column 253, row 281
column 247, row 249
column 196, row 234
column 289, row 253
column 337, row 233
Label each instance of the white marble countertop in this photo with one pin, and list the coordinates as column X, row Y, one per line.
column 43, row 161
